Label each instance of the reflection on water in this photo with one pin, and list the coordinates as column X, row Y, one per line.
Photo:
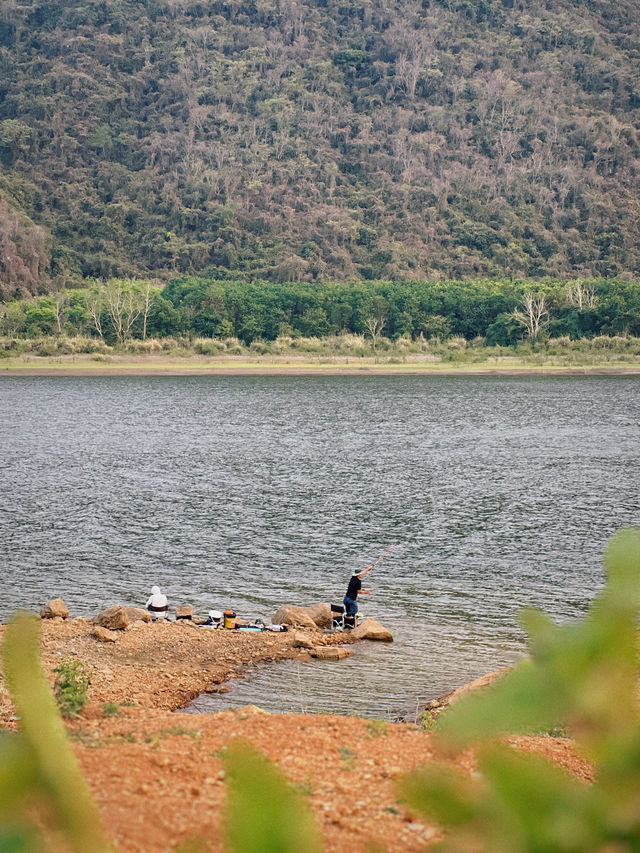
column 250, row 492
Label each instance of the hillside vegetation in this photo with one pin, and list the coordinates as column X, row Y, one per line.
column 296, row 140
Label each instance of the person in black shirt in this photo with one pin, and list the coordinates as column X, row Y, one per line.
column 355, row 586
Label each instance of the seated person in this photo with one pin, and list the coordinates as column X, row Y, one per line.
column 157, row 604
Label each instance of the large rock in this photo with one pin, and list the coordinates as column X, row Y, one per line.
column 115, row 618
column 184, row 611
column 296, row 617
column 103, row 635
column 56, row 607
column 371, row 629
column 302, row 640
column 138, row 614
column 330, row 653
column 320, row 613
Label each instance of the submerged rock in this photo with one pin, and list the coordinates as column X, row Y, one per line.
column 330, row 653
column 371, row 629
column 115, row 618
column 56, row 607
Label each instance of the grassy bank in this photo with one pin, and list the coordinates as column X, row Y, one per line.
column 338, row 354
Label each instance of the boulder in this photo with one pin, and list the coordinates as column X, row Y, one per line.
column 301, row 640
column 114, row 618
column 371, row 629
column 330, row 653
column 184, row 611
column 320, row 613
column 294, row 616
column 138, row 614
column 56, row 607
column 103, row 635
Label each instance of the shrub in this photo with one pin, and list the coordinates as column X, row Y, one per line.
column 208, row 346
column 147, row 347
column 47, row 349
column 71, row 687
column 233, row 344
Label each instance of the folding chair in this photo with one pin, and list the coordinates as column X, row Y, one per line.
column 337, row 616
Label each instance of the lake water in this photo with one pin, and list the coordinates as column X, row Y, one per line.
column 249, row 492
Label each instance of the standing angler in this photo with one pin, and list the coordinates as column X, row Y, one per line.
column 355, row 586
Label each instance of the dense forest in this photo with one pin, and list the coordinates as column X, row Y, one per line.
column 488, row 312
column 306, row 140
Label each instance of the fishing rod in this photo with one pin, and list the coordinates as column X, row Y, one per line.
column 384, row 555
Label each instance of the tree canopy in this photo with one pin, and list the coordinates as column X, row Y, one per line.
column 292, row 140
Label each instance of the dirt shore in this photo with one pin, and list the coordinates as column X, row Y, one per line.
column 269, row 365
column 156, row 773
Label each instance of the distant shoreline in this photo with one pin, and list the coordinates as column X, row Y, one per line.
column 283, row 366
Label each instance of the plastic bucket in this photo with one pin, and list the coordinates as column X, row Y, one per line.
column 229, row 616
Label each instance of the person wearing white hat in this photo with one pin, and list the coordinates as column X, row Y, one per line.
column 157, row 604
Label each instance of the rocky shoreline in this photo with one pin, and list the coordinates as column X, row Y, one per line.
column 157, row 776
column 165, row 664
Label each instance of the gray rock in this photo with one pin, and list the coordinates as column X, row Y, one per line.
column 115, row 618
column 56, row 607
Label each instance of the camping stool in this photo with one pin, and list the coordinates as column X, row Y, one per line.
column 337, row 616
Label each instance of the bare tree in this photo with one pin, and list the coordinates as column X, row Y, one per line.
column 375, row 320
column 146, row 304
column 120, row 303
column 124, row 306
column 532, row 314
column 60, row 302
column 582, row 295
column 95, row 306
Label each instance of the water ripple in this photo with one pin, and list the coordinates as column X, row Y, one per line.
column 251, row 491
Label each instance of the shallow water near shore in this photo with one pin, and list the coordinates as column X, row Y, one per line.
column 249, row 492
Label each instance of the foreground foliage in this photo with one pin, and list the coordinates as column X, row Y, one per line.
column 39, row 764
column 583, row 676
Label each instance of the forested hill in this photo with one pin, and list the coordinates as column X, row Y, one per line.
column 318, row 139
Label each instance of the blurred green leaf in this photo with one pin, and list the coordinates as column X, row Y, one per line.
column 584, row 676
column 48, row 762
column 18, row 840
column 18, row 771
column 264, row 813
